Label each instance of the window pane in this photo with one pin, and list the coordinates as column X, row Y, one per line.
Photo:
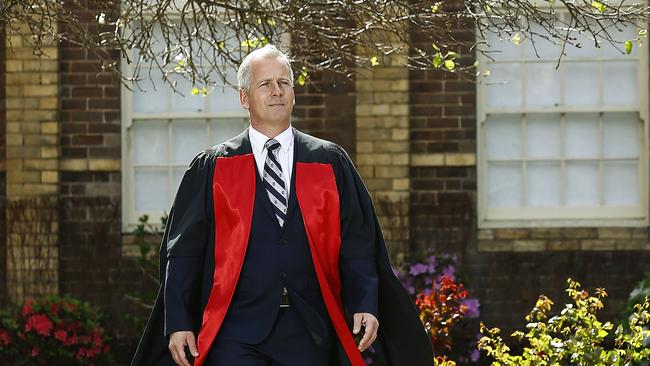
column 581, row 83
column 504, row 48
column 581, row 136
column 543, row 135
column 150, row 95
column 151, row 190
column 189, row 137
column 542, row 85
column 224, row 129
column 538, row 47
column 183, row 100
column 150, row 142
column 504, row 88
column 629, row 31
column 621, row 83
column 582, row 184
column 504, row 185
column 503, row 137
column 543, row 184
column 621, row 134
column 224, row 97
column 621, row 183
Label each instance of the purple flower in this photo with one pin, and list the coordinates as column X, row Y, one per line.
column 449, row 271
column 428, row 281
column 474, row 356
column 418, row 269
column 472, row 307
column 411, row 290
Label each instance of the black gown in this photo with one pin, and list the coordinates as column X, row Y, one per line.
column 401, row 341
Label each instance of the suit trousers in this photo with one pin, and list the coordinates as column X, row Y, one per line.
column 288, row 344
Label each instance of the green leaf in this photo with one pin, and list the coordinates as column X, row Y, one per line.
column 628, row 47
column 599, row 6
column 450, row 65
column 373, row 61
column 516, row 39
column 435, row 7
column 437, row 60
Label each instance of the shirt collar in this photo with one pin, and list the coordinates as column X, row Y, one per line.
column 258, row 139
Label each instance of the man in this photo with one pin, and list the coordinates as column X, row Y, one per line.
column 271, row 246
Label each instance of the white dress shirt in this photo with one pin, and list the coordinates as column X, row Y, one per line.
column 285, row 153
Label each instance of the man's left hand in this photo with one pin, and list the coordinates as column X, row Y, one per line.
column 370, row 334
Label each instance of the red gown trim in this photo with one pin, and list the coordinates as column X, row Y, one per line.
column 318, row 198
column 233, row 188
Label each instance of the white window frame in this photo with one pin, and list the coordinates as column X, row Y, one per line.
column 562, row 217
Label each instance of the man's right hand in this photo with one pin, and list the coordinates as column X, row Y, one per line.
column 177, row 343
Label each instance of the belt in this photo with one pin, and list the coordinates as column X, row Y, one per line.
column 286, row 302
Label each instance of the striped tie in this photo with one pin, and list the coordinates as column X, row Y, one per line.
column 273, row 181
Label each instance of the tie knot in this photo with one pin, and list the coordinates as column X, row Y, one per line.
column 272, row 144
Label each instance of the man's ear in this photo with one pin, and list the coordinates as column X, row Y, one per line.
column 243, row 99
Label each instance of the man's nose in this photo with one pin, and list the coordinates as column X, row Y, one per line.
column 275, row 88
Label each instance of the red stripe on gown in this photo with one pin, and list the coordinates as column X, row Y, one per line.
column 233, row 189
column 318, row 198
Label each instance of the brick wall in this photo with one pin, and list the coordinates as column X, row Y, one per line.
column 325, row 108
column 382, row 145
column 3, row 177
column 91, row 265
column 443, row 155
column 31, row 165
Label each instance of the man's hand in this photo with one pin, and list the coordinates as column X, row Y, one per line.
column 370, row 334
column 177, row 343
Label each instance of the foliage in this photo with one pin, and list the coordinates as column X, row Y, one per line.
column 638, row 294
column 447, row 311
column 575, row 336
column 203, row 39
column 53, row 330
column 148, row 237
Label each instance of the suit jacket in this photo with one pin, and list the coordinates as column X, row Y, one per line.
column 216, row 200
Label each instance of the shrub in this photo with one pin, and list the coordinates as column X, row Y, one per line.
column 54, row 330
column 575, row 336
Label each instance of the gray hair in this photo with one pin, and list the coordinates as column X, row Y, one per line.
column 268, row 51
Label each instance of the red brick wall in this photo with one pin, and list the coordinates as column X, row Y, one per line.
column 90, row 195
column 442, row 120
column 325, row 107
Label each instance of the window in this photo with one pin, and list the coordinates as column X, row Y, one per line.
column 163, row 130
column 563, row 147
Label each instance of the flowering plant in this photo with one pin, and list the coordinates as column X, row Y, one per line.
column 53, row 331
column 446, row 309
column 575, row 336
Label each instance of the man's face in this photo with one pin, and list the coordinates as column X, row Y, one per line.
column 270, row 97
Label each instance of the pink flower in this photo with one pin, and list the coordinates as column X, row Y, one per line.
column 35, row 351
column 27, row 307
column 40, row 323
column 71, row 340
column 54, row 308
column 61, row 335
column 5, row 338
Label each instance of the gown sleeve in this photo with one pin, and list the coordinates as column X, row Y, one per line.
column 357, row 264
column 188, row 232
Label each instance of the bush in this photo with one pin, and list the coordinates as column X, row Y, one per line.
column 54, row 330
column 575, row 336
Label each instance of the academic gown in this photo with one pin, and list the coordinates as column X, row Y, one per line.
column 339, row 218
